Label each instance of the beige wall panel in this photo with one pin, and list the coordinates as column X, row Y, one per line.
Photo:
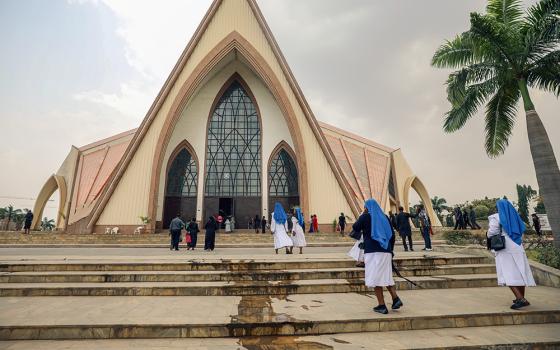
column 130, row 198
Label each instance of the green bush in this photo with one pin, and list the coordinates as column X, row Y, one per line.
column 481, row 211
column 464, row 238
column 548, row 255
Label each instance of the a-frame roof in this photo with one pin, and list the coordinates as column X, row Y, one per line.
column 172, row 79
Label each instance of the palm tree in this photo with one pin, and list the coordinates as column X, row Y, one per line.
column 501, row 56
column 439, row 204
column 47, row 224
column 10, row 213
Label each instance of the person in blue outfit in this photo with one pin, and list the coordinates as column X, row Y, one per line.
column 512, row 266
column 379, row 240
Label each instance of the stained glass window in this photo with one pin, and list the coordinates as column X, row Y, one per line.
column 182, row 176
column 283, row 178
column 233, row 155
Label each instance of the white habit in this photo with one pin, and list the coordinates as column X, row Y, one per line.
column 298, row 237
column 356, row 253
column 379, row 270
column 281, row 238
column 512, row 266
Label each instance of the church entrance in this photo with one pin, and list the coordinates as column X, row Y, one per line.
column 233, row 156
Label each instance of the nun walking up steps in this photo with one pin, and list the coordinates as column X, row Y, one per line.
column 512, row 266
column 379, row 240
column 298, row 236
column 279, row 228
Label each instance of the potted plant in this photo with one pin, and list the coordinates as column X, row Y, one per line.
column 145, row 222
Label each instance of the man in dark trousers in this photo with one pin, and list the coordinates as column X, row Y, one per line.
column 257, row 223
column 28, row 221
column 393, row 220
column 403, row 226
column 536, row 224
column 458, row 218
column 263, row 224
column 175, row 228
column 342, row 223
column 472, row 215
column 466, row 220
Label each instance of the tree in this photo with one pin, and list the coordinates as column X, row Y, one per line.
column 501, row 56
column 10, row 214
column 439, row 204
column 47, row 224
column 540, row 208
column 489, row 203
column 524, row 195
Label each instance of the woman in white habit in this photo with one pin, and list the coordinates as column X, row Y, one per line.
column 279, row 228
column 379, row 240
column 298, row 236
column 512, row 266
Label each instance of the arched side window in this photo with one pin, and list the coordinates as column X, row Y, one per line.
column 233, row 158
column 283, row 177
column 182, row 176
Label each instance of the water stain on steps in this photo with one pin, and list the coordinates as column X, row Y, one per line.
column 257, row 309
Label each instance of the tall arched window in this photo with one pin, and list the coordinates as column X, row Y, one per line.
column 180, row 191
column 283, row 179
column 233, row 156
column 182, row 176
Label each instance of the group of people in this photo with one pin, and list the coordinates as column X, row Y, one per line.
column 285, row 235
column 401, row 223
column 377, row 239
column 191, row 233
column 464, row 218
column 259, row 224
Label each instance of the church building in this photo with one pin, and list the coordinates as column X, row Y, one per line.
column 230, row 132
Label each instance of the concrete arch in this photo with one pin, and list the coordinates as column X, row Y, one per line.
column 54, row 183
column 415, row 183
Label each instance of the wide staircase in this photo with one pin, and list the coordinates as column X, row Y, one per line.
column 237, row 239
column 314, row 301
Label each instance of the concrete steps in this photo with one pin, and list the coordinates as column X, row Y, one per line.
column 298, row 314
column 535, row 336
column 209, row 264
column 206, row 276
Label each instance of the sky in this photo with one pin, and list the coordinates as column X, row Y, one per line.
column 75, row 71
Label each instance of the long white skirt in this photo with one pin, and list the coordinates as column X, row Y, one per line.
column 379, row 271
column 299, row 238
column 356, row 253
column 512, row 266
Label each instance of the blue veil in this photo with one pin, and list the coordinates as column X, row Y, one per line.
column 279, row 214
column 510, row 220
column 380, row 227
column 299, row 216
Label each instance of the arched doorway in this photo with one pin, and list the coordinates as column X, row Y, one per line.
column 180, row 189
column 54, row 183
column 414, row 182
column 233, row 154
column 283, row 179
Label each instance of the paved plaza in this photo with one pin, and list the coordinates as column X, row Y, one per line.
column 251, row 298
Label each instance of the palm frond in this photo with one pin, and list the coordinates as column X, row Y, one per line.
column 543, row 11
column 545, row 74
column 465, row 100
column 500, row 118
column 541, row 29
column 507, row 12
column 499, row 39
column 456, row 53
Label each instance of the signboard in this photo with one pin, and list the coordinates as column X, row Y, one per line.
column 543, row 219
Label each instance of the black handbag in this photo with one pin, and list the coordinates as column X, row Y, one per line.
column 355, row 235
column 497, row 242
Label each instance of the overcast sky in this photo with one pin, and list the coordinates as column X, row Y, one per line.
column 74, row 71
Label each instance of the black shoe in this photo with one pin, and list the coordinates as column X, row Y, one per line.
column 406, row 249
column 397, row 304
column 520, row 303
column 382, row 309
column 411, row 249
